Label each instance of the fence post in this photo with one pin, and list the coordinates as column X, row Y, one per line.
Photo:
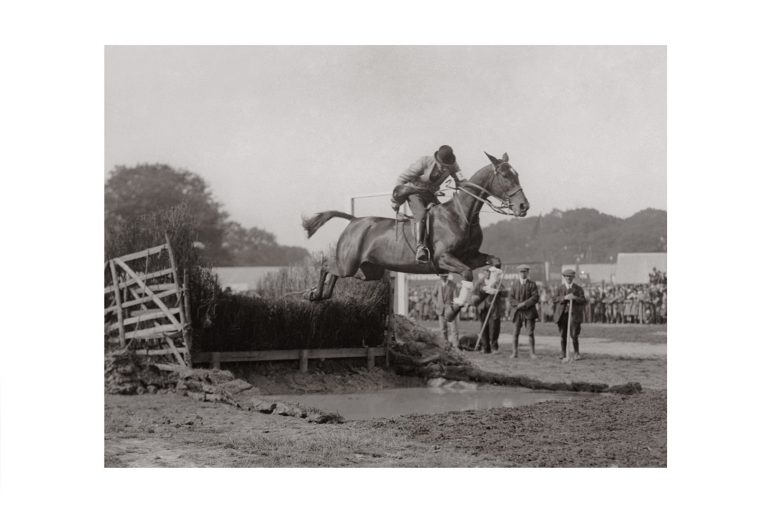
column 179, row 300
column 119, row 302
column 392, row 326
column 304, row 361
column 187, row 314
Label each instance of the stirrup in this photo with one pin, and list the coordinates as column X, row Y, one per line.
column 426, row 257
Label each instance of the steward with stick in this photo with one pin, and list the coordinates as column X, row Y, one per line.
column 569, row 312
column 491, row 308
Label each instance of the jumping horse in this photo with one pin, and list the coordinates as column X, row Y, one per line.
column 371, row 245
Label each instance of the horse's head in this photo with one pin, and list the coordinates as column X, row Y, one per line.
column 505, row 185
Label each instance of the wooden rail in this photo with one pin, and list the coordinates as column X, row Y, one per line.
column 142, row 309
column 303, row 356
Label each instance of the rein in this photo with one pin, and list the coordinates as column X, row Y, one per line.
column 497, row 209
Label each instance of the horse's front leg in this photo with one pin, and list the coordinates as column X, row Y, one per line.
column 481, row 259
column 451, row 263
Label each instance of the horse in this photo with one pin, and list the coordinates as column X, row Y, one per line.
column 369, row 246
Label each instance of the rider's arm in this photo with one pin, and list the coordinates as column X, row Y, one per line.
column 456, row 175
column 415, row 170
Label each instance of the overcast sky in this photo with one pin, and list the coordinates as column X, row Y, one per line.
column 281, row 131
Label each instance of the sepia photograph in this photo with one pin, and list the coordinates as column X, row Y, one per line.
column 385, row 256
column 382, row 256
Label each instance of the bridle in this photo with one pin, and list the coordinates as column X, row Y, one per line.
column 506, row 206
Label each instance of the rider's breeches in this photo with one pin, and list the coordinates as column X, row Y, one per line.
column 418, row 203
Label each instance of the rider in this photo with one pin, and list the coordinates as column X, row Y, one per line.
column 418, row 185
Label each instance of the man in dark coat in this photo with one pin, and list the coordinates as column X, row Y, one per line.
column 442, row 295
column 524, row 296
column 491, row 304
column 564, row 293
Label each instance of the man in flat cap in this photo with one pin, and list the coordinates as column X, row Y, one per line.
column 565, row 293
column 524, row 296
column 418, row 185
column 489, row 297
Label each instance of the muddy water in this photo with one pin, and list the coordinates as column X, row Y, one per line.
column 389, row 403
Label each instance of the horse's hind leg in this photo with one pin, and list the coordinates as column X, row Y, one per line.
column 321, row 283
column 369, row 272
column 331, row 284
column 317, row 292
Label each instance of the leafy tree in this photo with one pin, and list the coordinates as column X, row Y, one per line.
column 134, row 194
column 131, row 192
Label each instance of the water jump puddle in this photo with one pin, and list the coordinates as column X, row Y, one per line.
column 389, row 403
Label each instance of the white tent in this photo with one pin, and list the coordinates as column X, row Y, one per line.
column 242, row 279
column 634, row 267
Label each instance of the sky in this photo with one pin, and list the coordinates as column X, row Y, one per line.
column 281, row 131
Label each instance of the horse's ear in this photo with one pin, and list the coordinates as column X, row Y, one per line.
column 505, row 157
column 493, row 159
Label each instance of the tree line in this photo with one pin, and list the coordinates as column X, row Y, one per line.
column 584, row 235
column 133, row 194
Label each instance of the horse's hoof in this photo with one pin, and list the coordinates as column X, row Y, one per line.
column 310, row 295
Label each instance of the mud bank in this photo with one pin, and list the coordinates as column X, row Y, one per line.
column 603, row 430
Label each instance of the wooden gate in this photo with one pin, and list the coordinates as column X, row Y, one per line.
column 144, row 306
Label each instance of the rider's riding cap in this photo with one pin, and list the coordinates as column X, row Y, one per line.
column 445, row 155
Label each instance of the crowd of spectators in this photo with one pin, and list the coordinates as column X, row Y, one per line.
column 616, row 304
column 421, row 305
column 606, row 303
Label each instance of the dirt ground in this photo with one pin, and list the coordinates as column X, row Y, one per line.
column 599, row 430
column 601, row 362
column 170, row 430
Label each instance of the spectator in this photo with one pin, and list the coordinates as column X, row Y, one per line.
column 442, row 296
column 491, row 307
column 566, row 295
column 524, row 296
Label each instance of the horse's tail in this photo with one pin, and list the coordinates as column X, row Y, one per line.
column 312, row 224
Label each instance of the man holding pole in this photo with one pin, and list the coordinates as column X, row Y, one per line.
column 491, row 308
column 524, row 297
column 569, row 306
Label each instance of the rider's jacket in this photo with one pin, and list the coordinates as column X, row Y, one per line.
column 425, row 173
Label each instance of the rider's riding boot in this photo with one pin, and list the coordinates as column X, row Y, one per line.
column 422, row 256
